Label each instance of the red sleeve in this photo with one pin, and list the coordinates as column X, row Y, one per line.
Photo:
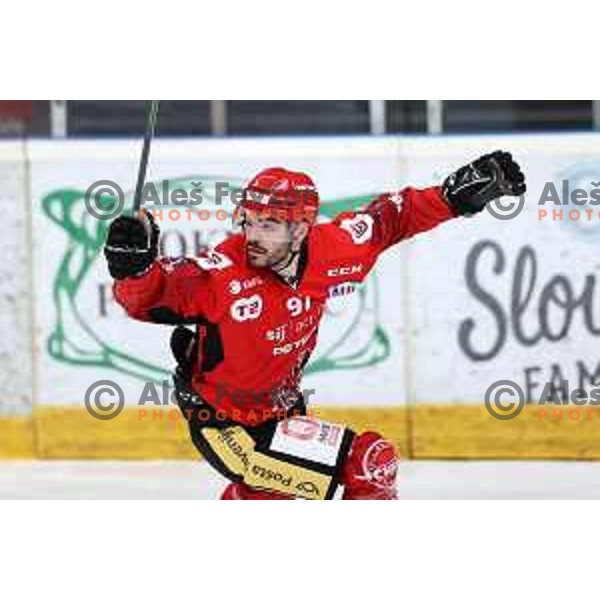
column 171, row 291
column 391, row 218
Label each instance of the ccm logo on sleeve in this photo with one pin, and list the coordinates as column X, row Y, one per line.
column 360, row 228
column 247, row 308
column 342, row 271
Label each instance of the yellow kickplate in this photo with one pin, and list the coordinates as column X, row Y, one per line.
column 434, row 431
column 16, row 437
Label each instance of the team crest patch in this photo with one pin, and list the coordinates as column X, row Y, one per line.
column 380, row 464
column 214, row 260
column 360, row 228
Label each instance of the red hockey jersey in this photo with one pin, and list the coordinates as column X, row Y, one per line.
column 257, row 331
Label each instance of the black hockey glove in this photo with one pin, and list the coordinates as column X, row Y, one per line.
column 488, row 178
column 131, row 246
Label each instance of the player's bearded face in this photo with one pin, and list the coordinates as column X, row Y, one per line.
column 267, row 240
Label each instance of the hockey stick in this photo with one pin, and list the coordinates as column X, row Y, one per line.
column 150, row 125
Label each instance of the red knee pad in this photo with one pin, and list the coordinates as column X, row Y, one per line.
column 370, row 469
column 241, row 491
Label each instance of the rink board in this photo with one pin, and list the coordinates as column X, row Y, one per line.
column 411, row 354
column 432, row 431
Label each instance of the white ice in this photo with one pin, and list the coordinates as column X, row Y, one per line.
column 195, row 480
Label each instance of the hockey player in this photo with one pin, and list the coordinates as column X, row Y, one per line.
column 256, row 301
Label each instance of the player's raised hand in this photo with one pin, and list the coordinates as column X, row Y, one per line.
column 131, row 245
column 489, row 177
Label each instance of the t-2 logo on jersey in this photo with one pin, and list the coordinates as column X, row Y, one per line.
column 245, row 309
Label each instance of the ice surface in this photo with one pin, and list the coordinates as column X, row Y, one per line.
column 195, row 480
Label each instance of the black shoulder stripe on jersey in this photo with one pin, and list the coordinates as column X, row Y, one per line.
column 212, row 346
column 184, row 347
column 167, row 316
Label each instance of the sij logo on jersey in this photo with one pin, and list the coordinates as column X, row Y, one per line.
column 277, row 335
column 246, row 309
column 360, row 228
